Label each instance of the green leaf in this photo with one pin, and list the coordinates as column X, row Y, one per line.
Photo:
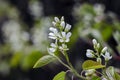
column 44, row 61
column 60, row 76
column 90, row 64
column 96, row 78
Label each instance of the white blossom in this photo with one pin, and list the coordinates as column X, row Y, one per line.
column 53, row 48
column 99, row 9
column 52, row 36
column 63, row 47
column 51, row 51
column 90, row 54
column 107, row 56
column 65, row 37
column 68, row 27
column 54, row 30
column 53, row 45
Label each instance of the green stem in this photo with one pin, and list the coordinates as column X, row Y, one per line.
column 62, row 62
column 72, row 68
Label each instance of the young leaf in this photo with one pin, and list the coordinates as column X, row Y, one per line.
column 44, row 61
column 96, row 78
column 60, row 76
column 90, row 64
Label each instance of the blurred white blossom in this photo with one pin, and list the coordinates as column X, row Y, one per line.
column 14, row 35
column 36, row 9
column 39, row 35
column 107, row 56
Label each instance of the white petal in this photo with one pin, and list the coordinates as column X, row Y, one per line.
column 94, row 42
column 107, row 56
column 61, row 40
column 52, row 37
column 56, row 19
column 53, row 45
column 67, row 40
column 63, row 34
column 89, row 53
column 51, row 34
column 61, row 48
column 59, row 35
column 68, row 27
column 52, row 50
column 53, row 30
column 68, row 35
column 54, row 23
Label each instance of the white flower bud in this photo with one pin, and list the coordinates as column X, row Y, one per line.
column 99, row 60
column 62, row 24
column 98, row 45
column 62, row 18
column 54, row 23
column 104, row 50
column 94, row 42
column 68, row 27
column 53, row 45
column 90, row 54
column 56, row 19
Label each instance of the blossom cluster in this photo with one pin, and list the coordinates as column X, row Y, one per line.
column 60, row 34
column 98, row 52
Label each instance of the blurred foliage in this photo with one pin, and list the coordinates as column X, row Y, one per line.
column 22, row 48
column 93, row 22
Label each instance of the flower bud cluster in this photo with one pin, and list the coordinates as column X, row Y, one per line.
column 98, row 52
column 60, row 34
